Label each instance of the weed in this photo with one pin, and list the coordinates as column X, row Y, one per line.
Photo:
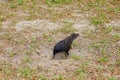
column 81, row 69
column 75, row 43
column 42, row 77
column 60, row 77
column 49, row 39
column 2, row 18
column 108, row 29
column 33, row 39
column 113, row 78
column 103, row 59
column 25, row 72
column 20, row 2
column 99, row 19
column 27, row 59
column 57, row 2
column 6, row 70
column 116, row 37
column 82, row 76
column 12, row 54
column 67, row 28
column 81, row 72
column 45, row 35
column 95, row 45
column 75, row 57
column 118, row 61
column 12, row 5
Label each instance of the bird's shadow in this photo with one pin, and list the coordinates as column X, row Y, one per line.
column 60, row 56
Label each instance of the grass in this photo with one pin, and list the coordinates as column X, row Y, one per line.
column 102, row 42
column 80, row 72
column 25, row 72
column 42, row 77
column 60, row 77
column 103, row 59
column 67, row 28
column 118, row 62
column 27, row 59
column 12, row 5
column 75, row 57
column 20, row 2
column 57, row 2
column 113, row 78
column 108, row 29
column 12, row 54
column 48, row 37
column 97, row 20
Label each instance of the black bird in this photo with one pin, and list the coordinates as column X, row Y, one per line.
column 65, row 45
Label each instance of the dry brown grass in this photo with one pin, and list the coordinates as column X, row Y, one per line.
column 99, row 50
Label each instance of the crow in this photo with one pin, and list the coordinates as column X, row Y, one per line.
column 64, row 45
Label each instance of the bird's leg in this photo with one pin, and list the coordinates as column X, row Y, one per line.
column 70, row 47
column 67, row 53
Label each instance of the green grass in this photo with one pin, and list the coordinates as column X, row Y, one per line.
column 118, row 62
column 12, row 5
column 12, row 54
column 25, row 72
column 33, row 39
column 102, row 12
column 67, row 28
column 103, row 59
column 98, row 19
column 75, row 57
column 108, row 29
column 60, row 77
column 113, row 78
column 57, row 2
column 42, row 77
column 6, row 70
column 20, row 2
column 27, row 59
column 80, row 72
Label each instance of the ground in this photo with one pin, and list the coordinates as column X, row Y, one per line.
column 30, row 29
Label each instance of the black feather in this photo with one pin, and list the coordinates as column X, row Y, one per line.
column 65, row 45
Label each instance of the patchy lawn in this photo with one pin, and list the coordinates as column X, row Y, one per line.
column 29, row 29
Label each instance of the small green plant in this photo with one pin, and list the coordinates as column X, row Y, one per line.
column 45, row 35
column 95, row 45
column 57, row 2
column 20, row 2
column 99, row 19
column 12, row 54
column 60, row 77
column 75, row 43
column 2, row 18
column 27, row 59
column 67, row 28
column 49, row 39
column 80, row 70
column 103, row 59
column 82, row 76
column 33, row 39
column 116, row 37
column 118, row 60
column 113, row 78
column 6, row 70
column 26, row 72
column 12, row 5
column 75, row 57
column 42, row 77
column 108, row 29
